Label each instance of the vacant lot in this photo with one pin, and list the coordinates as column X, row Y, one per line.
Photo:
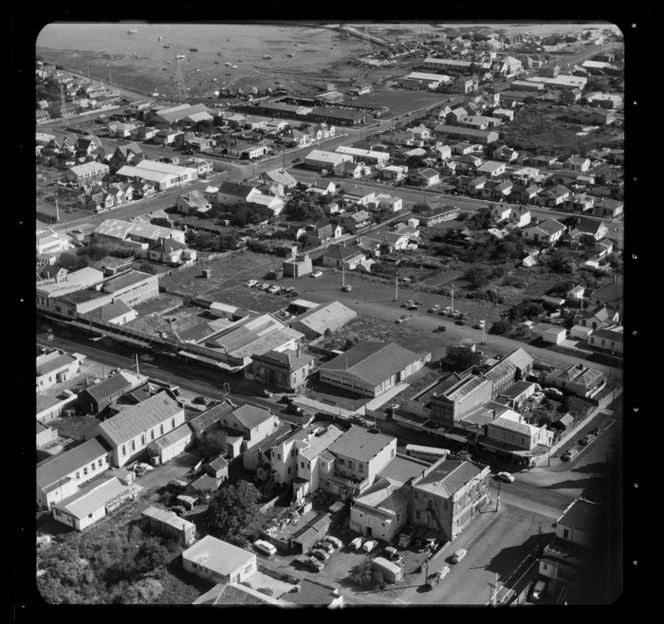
column 399, row 101
column 225, row 273
column 539, row 128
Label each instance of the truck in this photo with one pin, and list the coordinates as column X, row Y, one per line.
column 406, row 536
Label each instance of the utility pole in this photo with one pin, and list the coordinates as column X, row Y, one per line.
column 452, row 298
column 498, row 498
column 138, row 373
column 483, row 331
column 396, row 287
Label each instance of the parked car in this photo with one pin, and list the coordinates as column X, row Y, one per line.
column 596, row 431
column 294, row 409
column 315, row 564
column 326, row 546
column 538, row 589
column 201, row 400
column 569, row 455
column 369, row 545
column 356, row 544
column 266, row 393
column 459, row 555
column 265, row 547
column 251, row 283
column 587, row 439
column 434, row 309
column 444, row 572
column 316, row 274
column 403, row 318
column 461, row 321
column 335, row 541
column 505, row 477
column 440, row 329
column 347, row 288
column 274, row 290
column 553, row 392
column 320, row 554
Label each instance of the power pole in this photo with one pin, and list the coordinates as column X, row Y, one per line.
column 396, row 287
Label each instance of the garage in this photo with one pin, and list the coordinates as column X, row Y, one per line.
column 169, row 446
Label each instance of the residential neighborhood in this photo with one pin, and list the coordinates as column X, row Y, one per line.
column 331, row 341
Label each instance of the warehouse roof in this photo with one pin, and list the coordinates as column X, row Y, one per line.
column 125, row 280
column 111, row 385
column 94, row 496
column 55, row 468
column 372, row 361
column 138, row 418
column 583, row 515
column 319, row 319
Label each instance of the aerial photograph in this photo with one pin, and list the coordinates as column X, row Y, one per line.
column 329, row 314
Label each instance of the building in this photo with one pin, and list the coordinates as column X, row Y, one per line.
column 469, row 134
column 609, row 296
column 139, row 234
column 449, row 495
column 363, row 155
column 193, row 202
column 286, row 370
column 297, row 266
column 423, row 80
column 59, row 477
column 170, row 524
column 456, row 396
column 371, row 368
column 547, row 232
column 579, row 530
column 314, row 593
column 97, row 397
column 95, row 501
column 319, row 159
column 554, row 335
column 215, row 560
column 609, row 339
column 129, row 432
column 316, row 322
column 87, row 173
column 355, row 222
column 234, row 594
column 577, row 379
column 510, row 432
column 162, row 175
column 171, row 445
column 609, row 208
column 56, row 367
column 50, row 242
column 167, row 117
column 358, row 455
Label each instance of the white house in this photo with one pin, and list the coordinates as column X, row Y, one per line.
column 215, row 560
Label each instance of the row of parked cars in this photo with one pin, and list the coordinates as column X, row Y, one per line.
column 321, row 552
column 570, row 454
column 273, row 289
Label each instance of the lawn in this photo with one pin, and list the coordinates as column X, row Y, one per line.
column 399, row 101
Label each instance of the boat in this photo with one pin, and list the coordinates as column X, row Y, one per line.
column 180, row 56
column 193, row 49
column 159, row 38
column 167, row 46
column 227, row 64
column 132, row 31
column 290, row 55
column 234, row 66
column 267, row 56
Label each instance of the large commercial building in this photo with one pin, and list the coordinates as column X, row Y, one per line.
column 371, row 368
column 162, row 175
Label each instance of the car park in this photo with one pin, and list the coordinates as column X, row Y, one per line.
column 459, row 555
column 505, row 477
column 316, row 274
column 369, row 545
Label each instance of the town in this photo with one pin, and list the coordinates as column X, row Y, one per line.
column 343, row 344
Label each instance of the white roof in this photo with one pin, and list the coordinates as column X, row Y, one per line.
column 331, row 157
column 218, row 556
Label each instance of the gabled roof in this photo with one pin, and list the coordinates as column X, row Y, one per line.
column 340, row 252
column 446, row 477
column 252, row 416
column 55, row 468
column 138, row 418
column 110, row 386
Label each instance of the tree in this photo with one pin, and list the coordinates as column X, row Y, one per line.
column 478, row 277
column 421, row 208
column 500, row 328
column 214, row 443
column 460, row 359
column 161, row 222
column 234, row 511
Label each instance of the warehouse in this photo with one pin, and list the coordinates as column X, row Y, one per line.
column 371, row 367
column 320, row 159
column 162, row 175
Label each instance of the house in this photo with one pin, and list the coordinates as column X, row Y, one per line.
column 45, row 435
column 234, row 594
column 577, row 163
column 437, row 215
column 497, row 190
column 170, row 524
column 121, row 130
column 350, row 170
column 474, row 186
column 579, row 529
column 577, row 379
column 500, row 212
column 322, row 187
column 364, row 155
column 193, row 202
column 286, row 370
column 520, row 216
column 608, row 208
column 60, row 476
column 609, row 296
column 424, row 177
column 575, row 294
column 393, row 172
column 50, row 242
column 591, row 227
column 115, row 312
column 167, row 136
column 553, row 196
column 504, row 153
column 354, row 222
column 339, row 256
column 280, row 176
column 314, row 323
column 371, row 367
column 95, row 501
column 129, row 154
column 143, row 133
column 171, row 252
column 129, row 432
column 470, row 134
column 579, row 202
column 97, row 397
column 89, row 145
column 608, row 339
column 215, row 560
column 547, row 232
column 449, row 495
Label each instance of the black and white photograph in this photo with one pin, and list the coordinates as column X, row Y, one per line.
column 330, row 313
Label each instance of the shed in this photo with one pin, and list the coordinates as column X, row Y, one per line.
column 392, row 572
column 554, row 335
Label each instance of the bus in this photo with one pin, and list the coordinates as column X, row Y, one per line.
column 427, row 453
